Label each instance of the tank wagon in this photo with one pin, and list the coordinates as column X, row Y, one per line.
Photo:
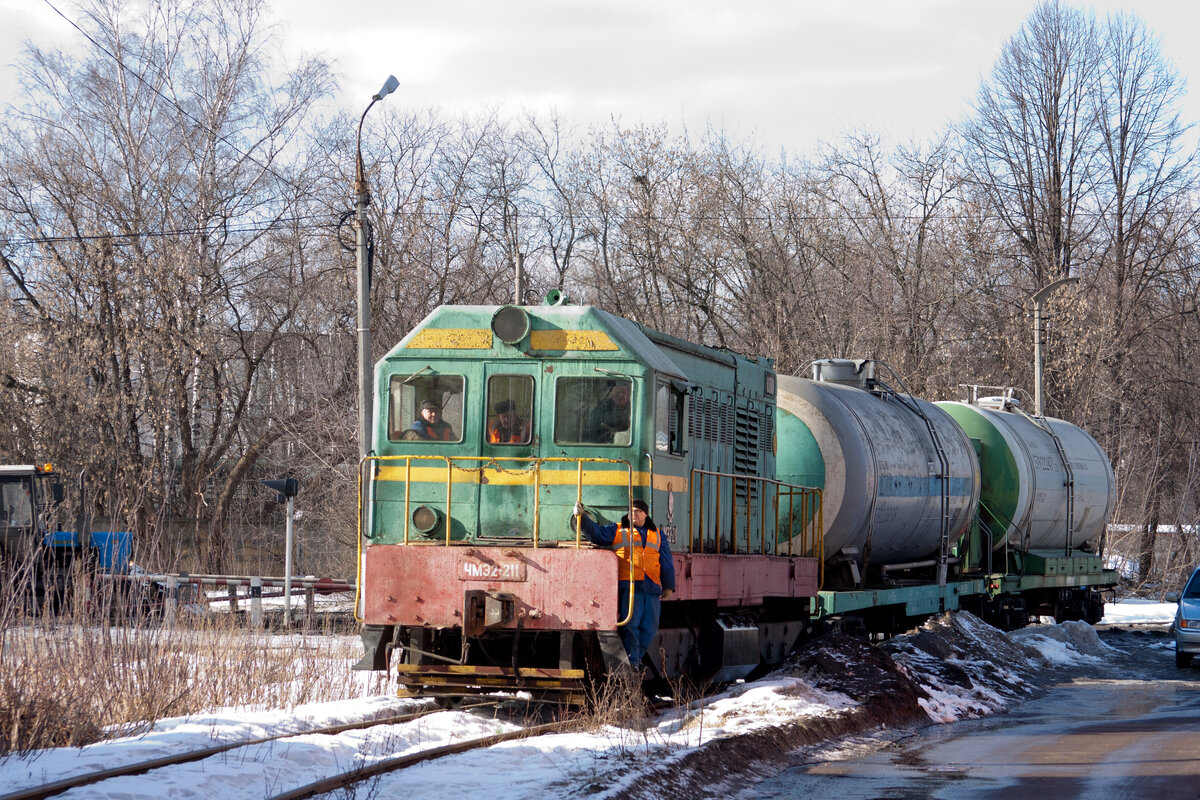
column 899, row 476
column 930, row 507
column 788, row 503
column 1047, row 495
column 491, row 422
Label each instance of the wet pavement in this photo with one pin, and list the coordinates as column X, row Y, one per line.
column 1128, row 727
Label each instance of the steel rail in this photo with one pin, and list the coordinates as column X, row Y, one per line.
column 66, row 784
column 365, row 771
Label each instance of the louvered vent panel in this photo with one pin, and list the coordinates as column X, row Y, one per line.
column 728, row 425
column 767, row 436
column 745, row 449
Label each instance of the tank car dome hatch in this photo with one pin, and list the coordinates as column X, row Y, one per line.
column 878, row 466
column 999, row 403
column 556, row 297
column 860, row 373
column 1047, row 483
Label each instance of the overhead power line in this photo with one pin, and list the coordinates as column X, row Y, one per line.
column 170, row 100
column 329, row 221
column 290, row 223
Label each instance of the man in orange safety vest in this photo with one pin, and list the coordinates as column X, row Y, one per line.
column 643, row 555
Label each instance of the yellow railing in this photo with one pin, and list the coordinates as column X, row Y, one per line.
column 805, row 535
column 533, row 469
column 531, row 472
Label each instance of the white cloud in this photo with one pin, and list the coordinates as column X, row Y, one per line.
column 791, row 70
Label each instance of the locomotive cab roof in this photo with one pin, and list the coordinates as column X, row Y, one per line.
column 553, row 331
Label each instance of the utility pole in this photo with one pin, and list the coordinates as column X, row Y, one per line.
column 286, row 489
column 1038, row 297
column 520, row 280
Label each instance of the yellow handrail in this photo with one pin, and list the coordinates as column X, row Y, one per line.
column 811, row 526
column 629, row 513
column 533, row 467
column 578, row 502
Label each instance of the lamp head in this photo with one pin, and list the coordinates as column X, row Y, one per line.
column 389, row 86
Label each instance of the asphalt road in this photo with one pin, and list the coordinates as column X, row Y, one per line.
column 1129, row 728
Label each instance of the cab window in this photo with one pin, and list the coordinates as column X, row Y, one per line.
column 509, row 409
column 16, row 506
column 425, row 408
column 593, row 411
column 668, row 420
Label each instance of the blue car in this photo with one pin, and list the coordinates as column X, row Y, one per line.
column 1187, row 621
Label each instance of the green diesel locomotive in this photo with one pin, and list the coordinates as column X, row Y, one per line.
column 492, row 422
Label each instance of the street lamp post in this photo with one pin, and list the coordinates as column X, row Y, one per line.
column 362, row 198
column 1038, row 297
column 287, row 489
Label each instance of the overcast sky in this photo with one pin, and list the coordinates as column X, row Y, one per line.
column 783, row 72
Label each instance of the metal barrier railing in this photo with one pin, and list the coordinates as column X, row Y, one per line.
column 808, row 531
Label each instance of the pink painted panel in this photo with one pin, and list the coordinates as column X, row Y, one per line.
column 743, row 580
column 696, row 576
column 806, row 579
column 554, row 588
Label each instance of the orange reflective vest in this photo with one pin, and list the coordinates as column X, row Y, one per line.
column 496, row 435
column 442, row 432
column 644, row 558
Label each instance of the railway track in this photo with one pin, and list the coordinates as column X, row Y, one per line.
column 141, row 767
column 363, row 772
column 347, row 778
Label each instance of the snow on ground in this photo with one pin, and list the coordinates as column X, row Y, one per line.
column 1071, row 643
column 1137, row 611
column 965, row 667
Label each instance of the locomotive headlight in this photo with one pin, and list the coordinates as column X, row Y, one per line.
column 426, row 519
column 511, row 324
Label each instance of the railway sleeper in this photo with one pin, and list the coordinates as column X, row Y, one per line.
column 563, row 686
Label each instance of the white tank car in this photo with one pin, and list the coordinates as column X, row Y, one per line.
column 875, row 455
column 1037, row 493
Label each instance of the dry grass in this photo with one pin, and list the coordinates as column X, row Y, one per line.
column 96, row 671
column 617, row 702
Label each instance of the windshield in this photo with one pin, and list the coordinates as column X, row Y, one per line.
column 1192, row 591
column 16, row 506
column 509, row 409
column 426, row 408
column 592, row 411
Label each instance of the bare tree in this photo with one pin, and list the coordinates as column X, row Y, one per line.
column 1031, row 144
column 154, row 249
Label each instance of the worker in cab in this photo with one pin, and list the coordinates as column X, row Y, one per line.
column 609, row 420
column 508, row 427
column 430, row 424
column 644, row 564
